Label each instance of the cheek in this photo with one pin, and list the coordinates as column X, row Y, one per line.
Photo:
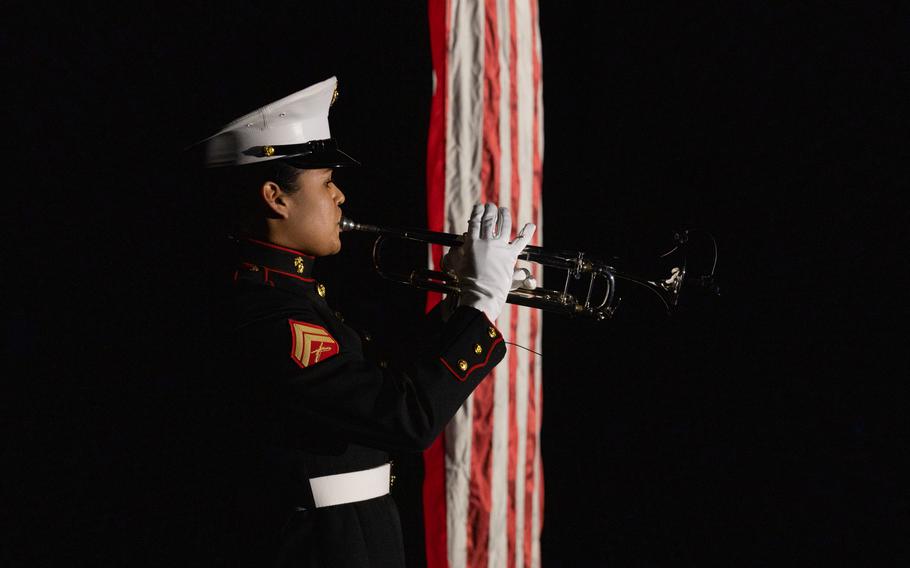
column 329, row 210
column 319, row 216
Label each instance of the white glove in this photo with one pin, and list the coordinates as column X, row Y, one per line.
column 522, row 278
column 485, row 263
column 453, row 260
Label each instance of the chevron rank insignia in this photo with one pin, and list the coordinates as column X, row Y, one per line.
column 311, row 343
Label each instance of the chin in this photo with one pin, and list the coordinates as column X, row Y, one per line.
column 333, row 249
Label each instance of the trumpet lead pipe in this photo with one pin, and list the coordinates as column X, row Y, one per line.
column 530, row 253
column 445, row 239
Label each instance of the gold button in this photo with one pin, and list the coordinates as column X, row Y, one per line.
column 320, row 289
column 462, row 364
column 268, row 150
column 492, row 332
column 478, row 349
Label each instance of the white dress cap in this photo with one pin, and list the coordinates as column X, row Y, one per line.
column 295, row 128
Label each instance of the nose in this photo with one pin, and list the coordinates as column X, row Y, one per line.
column 339, row 195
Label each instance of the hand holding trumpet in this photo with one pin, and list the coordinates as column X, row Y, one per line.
column 485, row 263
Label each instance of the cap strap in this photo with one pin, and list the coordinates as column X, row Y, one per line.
column 292, row 150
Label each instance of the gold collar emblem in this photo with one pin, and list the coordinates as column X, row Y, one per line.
column 298, row 265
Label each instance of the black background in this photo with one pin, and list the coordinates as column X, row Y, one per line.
column 763, row 427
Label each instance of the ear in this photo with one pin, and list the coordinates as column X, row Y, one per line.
column 274, row 199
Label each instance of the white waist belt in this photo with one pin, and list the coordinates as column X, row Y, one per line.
column 351, row 487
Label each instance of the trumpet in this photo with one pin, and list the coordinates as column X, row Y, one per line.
column 576, row 264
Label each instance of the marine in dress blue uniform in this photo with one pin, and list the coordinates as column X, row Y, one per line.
column 324, row 409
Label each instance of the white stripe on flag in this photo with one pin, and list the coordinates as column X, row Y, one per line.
column 464, row 117
column 521, row 416
column 525, row 87
column 499, row 538
column 458, row 474
column 505, row 125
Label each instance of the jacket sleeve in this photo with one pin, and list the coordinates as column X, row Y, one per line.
column 386, row 406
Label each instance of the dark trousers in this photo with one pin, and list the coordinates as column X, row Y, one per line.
column 356, row 535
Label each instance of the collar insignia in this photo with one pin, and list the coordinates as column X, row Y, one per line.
column 276, row 259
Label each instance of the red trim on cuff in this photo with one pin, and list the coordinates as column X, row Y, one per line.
column 475, row 367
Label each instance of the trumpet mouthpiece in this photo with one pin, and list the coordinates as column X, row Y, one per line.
column 349, row 225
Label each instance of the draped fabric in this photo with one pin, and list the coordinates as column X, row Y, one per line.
column 483, row 490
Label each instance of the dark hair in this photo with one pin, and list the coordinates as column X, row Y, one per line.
column 252, row 176
column 236, row 189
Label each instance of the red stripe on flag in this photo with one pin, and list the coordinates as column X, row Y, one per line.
column 534, row 412
column 434, row 504
column 434, row 492
column 513, row 439
column 531, row 447
column 478, row 521
column 438, row 13
column 513, row 362
column 515, row 204
column 491, row 157
column 480, row 486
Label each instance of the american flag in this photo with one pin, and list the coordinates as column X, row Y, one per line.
column 483, row 490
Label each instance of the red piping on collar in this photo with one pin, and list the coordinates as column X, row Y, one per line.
column 267, row 270
column 279, row 247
